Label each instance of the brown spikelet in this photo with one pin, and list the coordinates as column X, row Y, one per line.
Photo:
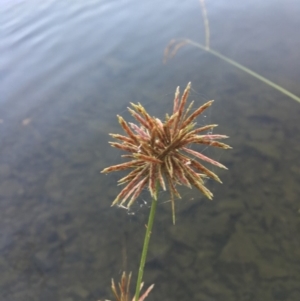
column 172, row 48
column 194, row 115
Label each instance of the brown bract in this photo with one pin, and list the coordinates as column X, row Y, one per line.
column 159, row 152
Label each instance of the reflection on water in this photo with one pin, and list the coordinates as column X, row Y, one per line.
column 67, row 68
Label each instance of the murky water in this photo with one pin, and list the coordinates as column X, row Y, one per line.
column 67, row 68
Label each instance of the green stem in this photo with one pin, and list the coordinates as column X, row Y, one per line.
column 145, row 248
column 245, row 69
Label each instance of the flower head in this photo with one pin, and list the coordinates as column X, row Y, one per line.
column 123, row 293
column 159, row 151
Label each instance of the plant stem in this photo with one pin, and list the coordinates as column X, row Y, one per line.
column 245, row 69
column 145, row 248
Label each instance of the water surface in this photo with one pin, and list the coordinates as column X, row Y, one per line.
column 66, row 69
